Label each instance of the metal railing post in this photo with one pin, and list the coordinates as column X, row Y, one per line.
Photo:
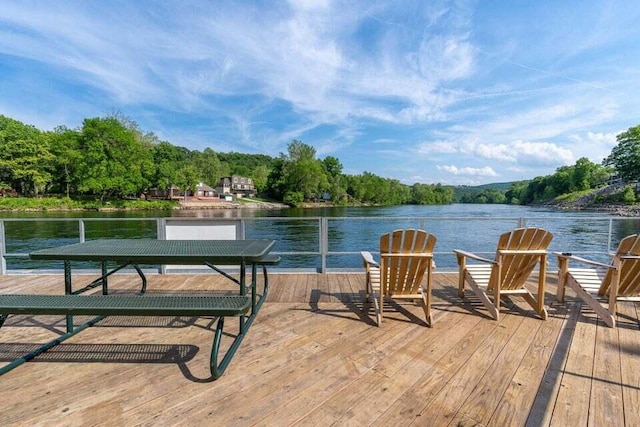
column 609, row 237
column 81, row 230
column 324, row 243
column 522, row 222
column 3, row 260
column 161, row 234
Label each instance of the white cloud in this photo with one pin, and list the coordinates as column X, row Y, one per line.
column 447, row 58
column 542, row 153
column 593, row 145
column 485, row 171
column 513, row 152
column 384, row 141
column 499, row 152
column 444, row 147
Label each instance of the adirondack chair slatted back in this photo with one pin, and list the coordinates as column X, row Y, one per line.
column 402, row 273
column 516, row 268
column 629, row 273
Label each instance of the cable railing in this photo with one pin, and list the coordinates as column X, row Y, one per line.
column 320, row 244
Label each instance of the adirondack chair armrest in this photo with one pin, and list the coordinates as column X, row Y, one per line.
column 464, row 254
column 408, row 255
column 522, row 252
column 368, row 259
column 583, row 260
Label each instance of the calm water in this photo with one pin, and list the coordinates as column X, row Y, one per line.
column 350, row 230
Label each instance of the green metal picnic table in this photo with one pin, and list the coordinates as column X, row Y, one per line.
column 136, row 252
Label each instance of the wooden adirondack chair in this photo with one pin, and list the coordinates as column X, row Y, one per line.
column 618, row 281
column 405, row 256
column 519, row 251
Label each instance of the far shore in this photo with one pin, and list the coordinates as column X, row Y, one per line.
column 617, row 210
column 219, row 204
column 223, row 204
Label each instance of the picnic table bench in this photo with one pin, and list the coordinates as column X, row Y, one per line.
column 135, row 305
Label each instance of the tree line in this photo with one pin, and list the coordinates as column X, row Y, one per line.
column 111, row 157
column 623, row 164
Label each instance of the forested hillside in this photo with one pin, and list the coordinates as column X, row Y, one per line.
column 111, row 157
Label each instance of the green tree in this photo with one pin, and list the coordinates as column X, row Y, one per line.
column 423, row 194
column 625, row 157
column 208, row 166
column 63, row 143
column 276, row 184
column 516, row 193
column 25, row 159
column 337, row 188
column 187, row 179
column 113, row 162
column 293, row 198
column 301, row 172
column 260, row 177
column 168, row 160
column 629, row 195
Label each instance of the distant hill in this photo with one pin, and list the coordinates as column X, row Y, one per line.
column 502, row 186
column 461, row 191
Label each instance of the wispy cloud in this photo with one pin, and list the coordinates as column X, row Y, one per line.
column 485, row 171
column 437, row 83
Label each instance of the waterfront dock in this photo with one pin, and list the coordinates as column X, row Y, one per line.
column 312, row 357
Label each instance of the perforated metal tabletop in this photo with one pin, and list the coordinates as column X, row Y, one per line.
column 147, row 251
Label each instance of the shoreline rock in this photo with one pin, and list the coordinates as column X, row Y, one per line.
column 221, row 204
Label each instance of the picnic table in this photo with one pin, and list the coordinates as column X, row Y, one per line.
column 135, row 252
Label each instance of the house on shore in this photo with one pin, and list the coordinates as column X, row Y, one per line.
column 172, row 193
column 203, row 190
column 236, row 186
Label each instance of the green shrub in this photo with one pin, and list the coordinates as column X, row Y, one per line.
column 85, row 203
column 294, row 198
column 628, row 196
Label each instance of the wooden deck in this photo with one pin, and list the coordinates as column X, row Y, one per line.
column 312, row 357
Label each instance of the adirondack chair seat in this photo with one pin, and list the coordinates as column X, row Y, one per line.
column 518, row 253
column 603, row 284
column 405, row 257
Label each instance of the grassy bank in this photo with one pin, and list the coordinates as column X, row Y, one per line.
column 66, row 204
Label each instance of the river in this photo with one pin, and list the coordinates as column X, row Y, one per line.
column 349, row 230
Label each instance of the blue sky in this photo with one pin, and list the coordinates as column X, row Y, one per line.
column 456, row 92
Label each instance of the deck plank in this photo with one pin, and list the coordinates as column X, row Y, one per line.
column 453, row 395
column 484, row 399
column 606, row 394
column 572, row 403
column 629, row 347
column 529, row 375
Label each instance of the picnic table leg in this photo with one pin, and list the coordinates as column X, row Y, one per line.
column 68, row 291
column 105, row 289
column 265, row 289
column 243, row 290
column 143, row 277
column 217, row 369
column 254, row 286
